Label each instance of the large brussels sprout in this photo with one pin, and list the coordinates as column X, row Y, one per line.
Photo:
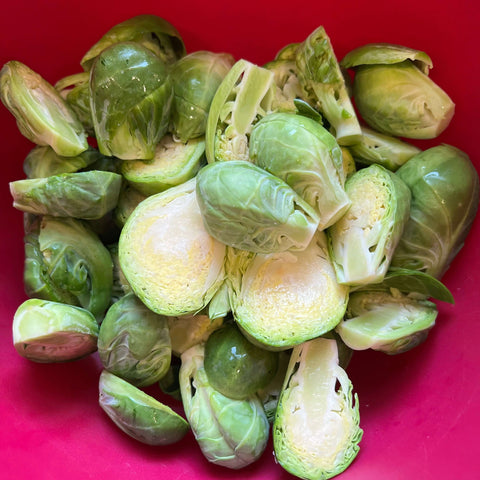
column 42, row 115
column 47, row 332
column 172, row 264
column 244, row 96
column 195, row 79
column 65, row 261
column 134, row 342
column 246, row 207
column 363, row 241
column 387, row 321
column 131, row 96
column 139, row 415
column 324, row 85
column 282, row 299
column 445, row 195
column 306, row 156
column 231, row 433
column 173, row 163
column 87, row 195
column 316, row 428
column 150, row 31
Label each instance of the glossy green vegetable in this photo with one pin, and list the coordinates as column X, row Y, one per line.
column 47, row 332
column 172, row 264
column 134, row 342
column 306, row 156
column 246, row 207
column 131, row 97
column 316, row 429
column 42, row 115
column 445, row 196
column 139, row 415
column 231, row 433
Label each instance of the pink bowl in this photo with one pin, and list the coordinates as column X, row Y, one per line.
column 419, row 410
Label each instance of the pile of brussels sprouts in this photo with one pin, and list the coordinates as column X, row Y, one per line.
column 233, row 232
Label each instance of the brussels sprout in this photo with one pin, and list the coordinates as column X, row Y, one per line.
column 139, row 415
column 131, row 97
column 280, row 300
column 86, row 195
column 445, row 195
column 169, row 383
column 323, row 83
column 219, row 305
column 151, row 31
column 172, row 264
column 306, row 156
column 390, row 152
column 120, row 286
column 245, row 95
column 363, row 241
column 174, row 163
column 42, row 161
column 231, row 433
column 128, row 200
column 66, row 262
column 246, row 207
column 42, row 115
column 189, row 330
column 348, row 163
column 195, row 79
column 316, row 428
column 47, row 332
column 287, row 86
column 390, row 322
column 234, row 366
column 288, row 52
column 134, row 342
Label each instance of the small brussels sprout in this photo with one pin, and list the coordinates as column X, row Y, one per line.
column 131, row 96
column 169, row 383
column 316, row 428
column 65, row 261
column 151, row 31
column 390, row 152
column 348, row 163
column 120, row 286
column 236, row 367
column 283, row 299
column 86, row 195
column 323, row 83
column 363, row 241
column 139, row 415
column 387, row 321
column 195, row 79
column 174, row 163
column 245, row 95
column 134, row 342
column 445, row 196
column 231, row 433
column 306, row 156
column 48, row 332
column 172, row 264
column 42, row 115
column 128, row 200
column 246, row 207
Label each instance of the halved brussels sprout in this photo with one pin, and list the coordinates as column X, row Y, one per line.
column 172, row 264
column 134, row 342
column 363, row 241
column 445, row 196
column 195, row 79
column 246, row 207
column 286, row 84
column 151, row 31
column 86, row 195
column 174, row 163
column 42, row 115
column 283, row 299
column 231, row 433
column 47, row 332
column 138, row 414
column 387, row 321
column 131, row 96
column 301, row 152
column 316, row 428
